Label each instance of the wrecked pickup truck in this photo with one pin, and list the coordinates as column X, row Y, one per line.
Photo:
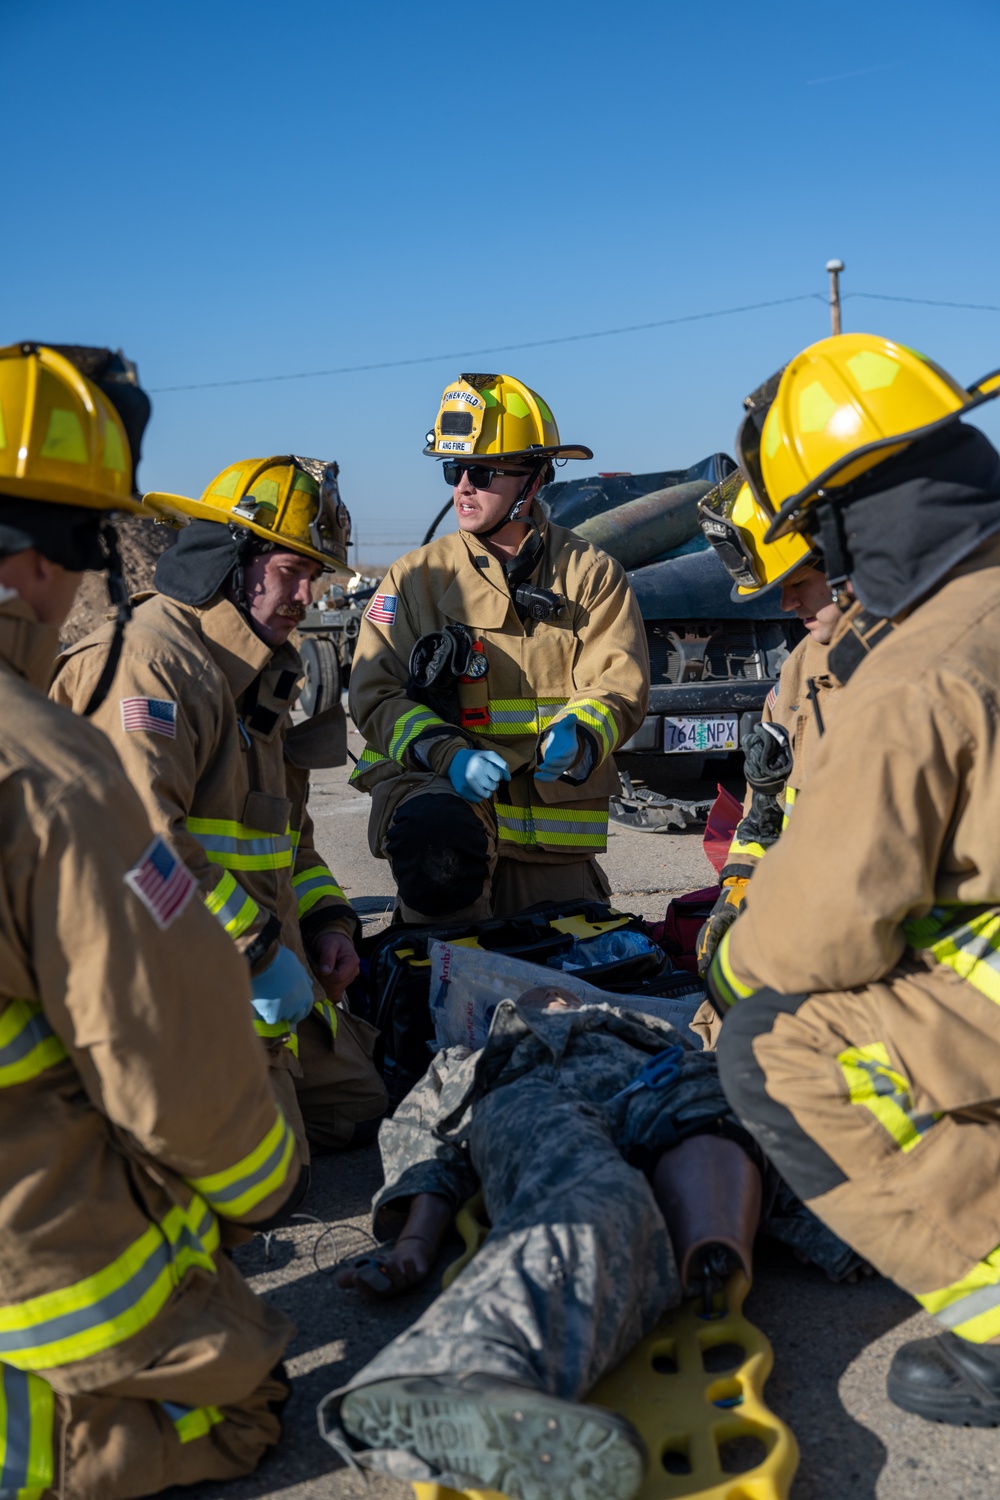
column 712, row 661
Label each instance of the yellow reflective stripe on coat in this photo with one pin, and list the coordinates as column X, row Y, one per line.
column 327, row 1012
column 105, row 1309
column 596, row 716
column 724, row 981
column 408, row 726
column 28, row 1045
column 236, row 847
column 970, row 1307
column 239, row 1188
column 873, row 1082
column 512, row 717
column 570, row 828
column 277, row 1028
column 312, row 885
column 966, row 938
column 738, row 850
column 367, row 760
column 788, row 797
column 27, row 1433
column 230, row 904
column 192, row 1422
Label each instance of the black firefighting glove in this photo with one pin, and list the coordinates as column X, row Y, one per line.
column 767, row 758
column 437, row 661
column 720, row 919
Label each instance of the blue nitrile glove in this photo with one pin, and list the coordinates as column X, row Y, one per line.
column 476, row 774
column 284, row 990
column 560, row 749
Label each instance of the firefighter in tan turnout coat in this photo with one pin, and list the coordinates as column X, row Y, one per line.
column 777, row 763
column 132, row 1354
column 861, row 1032
column 496, row 671
column 200, row 719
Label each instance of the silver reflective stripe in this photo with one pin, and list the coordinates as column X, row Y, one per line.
column 249, row 1180
column 981, row 1301
column 217, row 843
column 115, row 1302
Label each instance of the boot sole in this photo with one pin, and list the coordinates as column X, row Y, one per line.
column 527, row 1445
column 962, row 1411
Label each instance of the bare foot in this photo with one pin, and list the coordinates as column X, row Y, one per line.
column 389, row 1273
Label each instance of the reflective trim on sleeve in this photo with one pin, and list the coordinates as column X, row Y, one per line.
column 277, row 1028
column 312, row 885
column 970, row 1307
column 192, row 1422
column 788, row 797
column 598, row 717
column 237, row 847
column 236, row 1190
column 725, row 983
column 966, row 938
column 327, row 1011
column 873, row 1083
column 231, row 905
column 368, row 759
column 28, row 1045
column 511, row 717
column 750, row 850
column 105, row 1309
column 27, row 1428
column 408, row 726
column 566, row 828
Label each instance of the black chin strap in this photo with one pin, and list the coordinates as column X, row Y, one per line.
column 833, row 544
column 514, row 514
column 118, row 596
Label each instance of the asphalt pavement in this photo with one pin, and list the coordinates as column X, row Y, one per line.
column 832, row 1344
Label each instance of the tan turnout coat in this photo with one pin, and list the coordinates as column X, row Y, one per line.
column 121, row 1154
column 213, row 777
column 591, row 661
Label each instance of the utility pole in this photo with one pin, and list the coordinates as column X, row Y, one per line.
column 835, row 267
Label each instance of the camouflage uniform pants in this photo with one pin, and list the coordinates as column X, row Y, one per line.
column 578, row 1264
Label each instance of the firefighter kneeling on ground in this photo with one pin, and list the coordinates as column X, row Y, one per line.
column 861, row 998
column 497, row 668
column 133, row 1356
column 781, row 749
column 200, row 717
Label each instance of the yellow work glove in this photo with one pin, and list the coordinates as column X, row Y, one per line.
column 722, row 916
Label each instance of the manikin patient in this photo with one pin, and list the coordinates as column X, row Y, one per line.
column 606, row 1206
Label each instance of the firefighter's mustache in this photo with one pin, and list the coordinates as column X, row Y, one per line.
column 292, row 611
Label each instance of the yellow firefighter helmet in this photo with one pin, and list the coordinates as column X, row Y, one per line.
column 839, row 408
column 61, row 439
column 735, row 523
column 496, row 415
column 290, row 501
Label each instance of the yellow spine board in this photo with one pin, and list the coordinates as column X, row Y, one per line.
column 699, row 1415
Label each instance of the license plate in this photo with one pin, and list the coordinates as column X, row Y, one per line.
column 697, row 736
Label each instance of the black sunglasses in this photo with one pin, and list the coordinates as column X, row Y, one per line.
column 480, row 477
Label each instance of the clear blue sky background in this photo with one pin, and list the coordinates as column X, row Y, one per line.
column 233, row 190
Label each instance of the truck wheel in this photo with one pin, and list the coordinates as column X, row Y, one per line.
column 321, row 689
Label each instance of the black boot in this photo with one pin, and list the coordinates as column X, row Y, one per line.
column 947, row 1379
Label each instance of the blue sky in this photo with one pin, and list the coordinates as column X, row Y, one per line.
column 240, row 190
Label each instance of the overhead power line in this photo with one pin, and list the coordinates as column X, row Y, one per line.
column 566, row 338
column 428, row 359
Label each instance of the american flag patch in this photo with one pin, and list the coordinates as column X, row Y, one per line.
column 383, row 609
column 162, row 881
column 156, row 715
column 772, row 697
